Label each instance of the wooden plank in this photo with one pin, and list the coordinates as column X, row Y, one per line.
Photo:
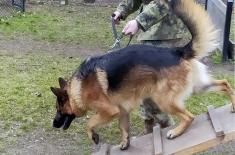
column 227, row 120
column 200, row 136
column 215, row 121
column 104, row 150
column 139, row 146
column 200, row 131
column 157, row 140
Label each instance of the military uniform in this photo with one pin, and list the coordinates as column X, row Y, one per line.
column 155, row 20
column 160, row 28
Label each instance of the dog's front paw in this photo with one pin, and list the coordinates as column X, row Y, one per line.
column 125, row 144
column 171, row 134
column 95, row 137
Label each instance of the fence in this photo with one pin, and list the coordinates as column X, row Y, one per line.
column 221, row 16
column 8, row 7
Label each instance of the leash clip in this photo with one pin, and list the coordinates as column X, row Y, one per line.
column 117, row 42
column 117, row 37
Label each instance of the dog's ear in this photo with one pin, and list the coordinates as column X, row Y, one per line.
column 56, row 91
column 62, row 82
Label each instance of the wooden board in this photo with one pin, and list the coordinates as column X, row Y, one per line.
column 214, row 117
column 104, row 150
column 157, row 140
column 139, row 146
column 200, row 135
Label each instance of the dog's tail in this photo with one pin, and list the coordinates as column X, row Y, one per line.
column 204, row 34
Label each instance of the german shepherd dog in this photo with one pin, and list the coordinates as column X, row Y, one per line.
column 113, row 84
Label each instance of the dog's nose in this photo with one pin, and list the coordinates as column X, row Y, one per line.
column 68, row 121
column 57, row 124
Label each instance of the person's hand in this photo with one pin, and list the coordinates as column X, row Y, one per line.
column 131, row 28
column 116, row 16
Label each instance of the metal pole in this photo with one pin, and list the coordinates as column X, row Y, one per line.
column 23, row 9
column 226, row 51
column 206, row 4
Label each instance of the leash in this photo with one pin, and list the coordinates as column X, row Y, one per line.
column 118, row 38
column 115, row 34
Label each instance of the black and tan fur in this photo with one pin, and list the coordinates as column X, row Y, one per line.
column 115, row 83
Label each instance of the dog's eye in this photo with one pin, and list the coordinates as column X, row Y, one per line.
column 61, row 101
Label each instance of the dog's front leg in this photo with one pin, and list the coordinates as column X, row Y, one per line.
column 92, row 123
column 221, row 86
column 101, row 118
column 124, row 127
column 186, row 119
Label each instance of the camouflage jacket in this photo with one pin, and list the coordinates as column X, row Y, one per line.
column 156, row 20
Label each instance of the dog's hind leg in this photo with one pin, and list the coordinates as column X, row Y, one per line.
column 105, row 113
column 221, row 86
column 124, row 127
column 186, row 119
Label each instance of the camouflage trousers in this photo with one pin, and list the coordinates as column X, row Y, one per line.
column 148, row 109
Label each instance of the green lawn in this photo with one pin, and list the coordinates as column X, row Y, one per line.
column 87, row 26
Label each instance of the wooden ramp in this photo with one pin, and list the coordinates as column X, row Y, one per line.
column 207, row 130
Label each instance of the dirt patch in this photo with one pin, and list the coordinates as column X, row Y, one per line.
column 24, row 45
column 219, row 69
column 42, row 142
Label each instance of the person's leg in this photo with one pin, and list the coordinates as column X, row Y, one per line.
column 148, row 109
column 146, row 112
column 153, row 115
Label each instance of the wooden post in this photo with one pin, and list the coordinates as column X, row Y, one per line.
column 157, row 140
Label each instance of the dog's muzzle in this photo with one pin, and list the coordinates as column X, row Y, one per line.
column 63, row 120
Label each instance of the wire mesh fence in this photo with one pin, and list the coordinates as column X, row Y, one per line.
column 9, row 7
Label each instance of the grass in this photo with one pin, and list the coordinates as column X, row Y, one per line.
column 87, row 26
column 216, row 58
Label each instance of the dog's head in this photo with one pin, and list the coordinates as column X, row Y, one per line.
column 64, row 115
